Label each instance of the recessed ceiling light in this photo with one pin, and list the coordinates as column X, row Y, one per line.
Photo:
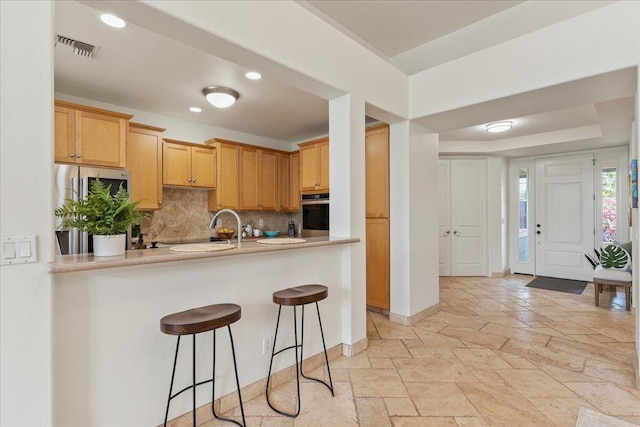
column 112, row 20
column 195, row 109
column 499, row 126
column 253, row 75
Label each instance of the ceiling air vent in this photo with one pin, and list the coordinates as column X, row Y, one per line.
column 79, row 48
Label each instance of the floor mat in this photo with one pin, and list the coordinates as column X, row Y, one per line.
column 555, row 284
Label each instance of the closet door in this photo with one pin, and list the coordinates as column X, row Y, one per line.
column 462, row 217
column 444, row 217
column 468, row 217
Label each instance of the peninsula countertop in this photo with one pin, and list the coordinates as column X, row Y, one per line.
column 85, row 262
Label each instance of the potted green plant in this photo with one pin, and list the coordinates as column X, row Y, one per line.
column 104, row 215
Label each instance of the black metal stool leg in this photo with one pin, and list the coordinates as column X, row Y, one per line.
column 173, row 374
column 326, row 357
column 298, row 368
column 194, row 380
column 213, row 387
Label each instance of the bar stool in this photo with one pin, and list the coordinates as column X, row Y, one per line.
column 300, row 295
column 192, row 322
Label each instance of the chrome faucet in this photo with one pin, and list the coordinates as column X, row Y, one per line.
column 231, row 211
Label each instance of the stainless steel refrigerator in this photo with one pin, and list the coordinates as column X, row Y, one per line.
column 73, row 182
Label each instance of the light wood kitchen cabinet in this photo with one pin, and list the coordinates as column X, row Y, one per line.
column 378, row 272
column 377, row 213
column 185, row 164
column 289, row 181
column 90, row 136
column 377, row 172
column 314, row 165
column 295, row 180
column 258, row 179
column 144, row 161
column 226, row 195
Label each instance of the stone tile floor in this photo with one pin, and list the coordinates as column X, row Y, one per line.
column 497, row 354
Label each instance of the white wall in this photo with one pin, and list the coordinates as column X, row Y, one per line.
column 26, row 203
column 413, row 178
column 597, row 42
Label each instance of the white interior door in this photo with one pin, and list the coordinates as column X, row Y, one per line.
column 468, row 217
column 564, row 220
column 444, row 217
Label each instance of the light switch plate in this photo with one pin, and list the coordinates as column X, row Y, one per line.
column 18, row 250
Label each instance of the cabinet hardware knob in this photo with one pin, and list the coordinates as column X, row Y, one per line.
column 78, row 156
column 193, row 180
column 538, row 232
column 457, row 233
column 72, row 155
column 447, row 232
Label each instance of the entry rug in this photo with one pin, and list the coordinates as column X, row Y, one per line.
column 562, row 285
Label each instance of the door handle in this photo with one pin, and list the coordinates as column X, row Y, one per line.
column 457, row 233
column 446, row 233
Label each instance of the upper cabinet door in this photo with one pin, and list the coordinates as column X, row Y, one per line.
column 65, row 143
column 284, row 181
column 100, row 139
column 176, row 164
column 144, row 161
column 314, row 165
column 227, row 176
column 203, row 167
column 267, row 183
column 295, row 181
column 323, row 159
column 377, row 172
column 249, row 178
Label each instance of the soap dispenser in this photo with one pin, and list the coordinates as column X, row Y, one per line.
column 140, row 244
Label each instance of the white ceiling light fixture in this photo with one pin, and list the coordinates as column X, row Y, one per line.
column 112, row 20
column 253, row 75
column 220, row 96
column 501, row 126
column 195, row 109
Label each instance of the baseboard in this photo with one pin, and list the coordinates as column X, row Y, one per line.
column 253, row 390
column 636, row 367
column 377, row 310
column 412, row 320
column 351, row 350
column 498, row 274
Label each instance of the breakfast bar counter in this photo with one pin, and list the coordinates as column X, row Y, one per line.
column 84, row 262
column 107, row 311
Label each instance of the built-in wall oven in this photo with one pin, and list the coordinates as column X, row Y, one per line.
column 73, row 182
column 315, row 214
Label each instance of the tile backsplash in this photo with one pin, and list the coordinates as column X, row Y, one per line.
column 184, row 215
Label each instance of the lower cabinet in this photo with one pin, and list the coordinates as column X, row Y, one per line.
column 378, row 274
column 144, row 160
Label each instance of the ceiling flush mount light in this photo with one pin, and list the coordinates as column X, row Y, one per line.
column 112, row 20
column 499, row 126
column 195, row 109
column 220, row 96
column 253, row 75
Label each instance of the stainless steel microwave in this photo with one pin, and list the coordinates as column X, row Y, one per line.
column 315, row 214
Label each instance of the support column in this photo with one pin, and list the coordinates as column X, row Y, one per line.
column 413, row 161
column 347, row 212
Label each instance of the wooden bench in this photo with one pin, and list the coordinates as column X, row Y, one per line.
column 606, row 277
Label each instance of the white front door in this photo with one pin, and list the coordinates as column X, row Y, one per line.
column 564, row 216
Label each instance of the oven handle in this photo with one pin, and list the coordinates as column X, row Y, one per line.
column 314, row 202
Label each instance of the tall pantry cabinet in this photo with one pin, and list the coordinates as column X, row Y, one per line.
column 377, row 216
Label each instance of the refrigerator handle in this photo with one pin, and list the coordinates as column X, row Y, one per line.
column 83, row 192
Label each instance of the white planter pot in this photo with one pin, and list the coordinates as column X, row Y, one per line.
column 109, row 245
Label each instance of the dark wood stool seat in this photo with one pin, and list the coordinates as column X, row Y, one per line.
column 300, row 295
column 200, row 319
column 195, row 321
column 292, row 297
